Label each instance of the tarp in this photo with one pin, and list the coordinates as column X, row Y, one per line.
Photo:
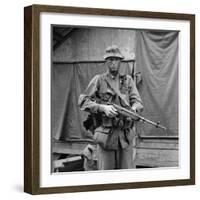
column 68, row 82
column 157, row 60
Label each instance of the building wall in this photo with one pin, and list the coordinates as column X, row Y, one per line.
column 86, row 44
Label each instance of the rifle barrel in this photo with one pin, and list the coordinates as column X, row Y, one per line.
column 131, row 113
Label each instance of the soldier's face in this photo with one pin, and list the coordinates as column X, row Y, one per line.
column 113, row 64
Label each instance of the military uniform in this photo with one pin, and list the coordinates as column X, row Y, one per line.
column 114, row 135
column 118, row 152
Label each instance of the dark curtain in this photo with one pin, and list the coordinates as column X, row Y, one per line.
column 157, row 60
column 68, row 82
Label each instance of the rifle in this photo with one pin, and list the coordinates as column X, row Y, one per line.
column 133, row 115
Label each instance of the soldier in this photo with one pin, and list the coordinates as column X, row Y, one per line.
column 114, row 134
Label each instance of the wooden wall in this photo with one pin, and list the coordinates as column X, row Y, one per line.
column 90, row 43
column 157, row 152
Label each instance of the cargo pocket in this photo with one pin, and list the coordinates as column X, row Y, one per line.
column 101, row 136
column 130, row 134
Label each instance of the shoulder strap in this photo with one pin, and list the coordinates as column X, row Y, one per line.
column 116, row 90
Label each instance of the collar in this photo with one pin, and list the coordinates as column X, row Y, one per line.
column 111, row 76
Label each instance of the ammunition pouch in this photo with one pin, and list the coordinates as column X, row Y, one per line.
column 107, row 134
column 101, row 136
column 121, row 123
column 108, row 138
column 92, row 122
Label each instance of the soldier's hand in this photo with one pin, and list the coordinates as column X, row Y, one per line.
column 134, row 109
column 109, row 110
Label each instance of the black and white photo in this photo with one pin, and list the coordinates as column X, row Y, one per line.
column 102, row 80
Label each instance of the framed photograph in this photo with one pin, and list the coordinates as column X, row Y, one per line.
column 109, row 99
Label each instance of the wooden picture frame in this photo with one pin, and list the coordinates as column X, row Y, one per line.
column 32, row 92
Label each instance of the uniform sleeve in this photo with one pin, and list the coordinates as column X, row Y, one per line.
column 134, row 96
column 87, row 99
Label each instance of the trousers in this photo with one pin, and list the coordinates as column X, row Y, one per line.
column 115, row 159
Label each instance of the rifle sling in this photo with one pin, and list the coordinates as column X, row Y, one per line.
column 116, row 90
